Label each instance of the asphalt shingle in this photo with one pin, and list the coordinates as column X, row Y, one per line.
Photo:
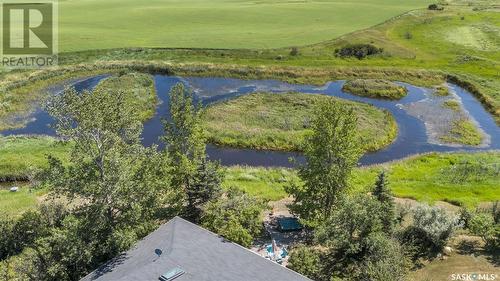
column 202, row 254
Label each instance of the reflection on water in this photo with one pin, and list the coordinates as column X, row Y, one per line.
column 412, row 137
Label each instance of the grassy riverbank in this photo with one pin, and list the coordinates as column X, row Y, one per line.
column 412, row 42
column 21, row 93
column 19, row 156
column 281, row 121
column 459, row 178
column 465, row 179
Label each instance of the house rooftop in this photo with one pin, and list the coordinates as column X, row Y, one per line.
column 185, row 251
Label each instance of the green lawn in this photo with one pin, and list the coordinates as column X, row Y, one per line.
column 99, row 24
column 281, row 121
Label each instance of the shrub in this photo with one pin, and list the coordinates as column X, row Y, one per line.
column 360, row 51
column 294, row 51
column 433, row 226
column 236, row 216
column 387, row 260
column 441, row 91
column 464, row 217
column 435, row 7
column 484, row 226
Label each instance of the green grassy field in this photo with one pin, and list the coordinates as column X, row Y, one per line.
column 459, row 178
column 91, row 24
column 427, row 178
column 280, row 121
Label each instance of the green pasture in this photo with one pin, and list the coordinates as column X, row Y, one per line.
column 98, row 24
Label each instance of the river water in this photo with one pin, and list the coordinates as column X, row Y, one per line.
column 412, row 137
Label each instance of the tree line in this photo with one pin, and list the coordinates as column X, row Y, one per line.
column 114, row 191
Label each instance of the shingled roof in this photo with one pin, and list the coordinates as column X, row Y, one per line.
column 199, row 253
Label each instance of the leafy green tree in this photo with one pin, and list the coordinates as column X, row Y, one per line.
column 332, row 150
column 65, row 254
column 386, row 259
column 345, row 233
column 7, row 243
column 20, row 267
column 117, row 187
column 383, row 194
column 350, row 224
column 205, row 186
column 236, row 216
column 186, row 141
column 306, row 261
column 356, row 246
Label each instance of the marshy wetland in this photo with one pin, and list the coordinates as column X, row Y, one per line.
column 269, row 130
column 423, row 84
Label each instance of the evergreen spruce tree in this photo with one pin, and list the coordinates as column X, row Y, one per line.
column 383, row 194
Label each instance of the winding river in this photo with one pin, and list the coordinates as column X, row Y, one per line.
column 412, row 136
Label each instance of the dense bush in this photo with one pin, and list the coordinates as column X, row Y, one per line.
column 22, row 232
column 431, row 229
column 353, row 245
column 307, row 261
column 294, row 51
column 387, row 259
column 435, row 7
column 236, row 216
column 484, row 226
column 359, row 51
